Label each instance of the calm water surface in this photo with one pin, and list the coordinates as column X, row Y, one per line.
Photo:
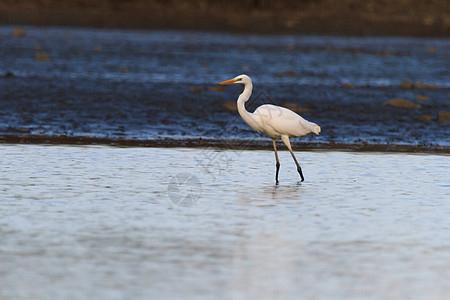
column 97, row 223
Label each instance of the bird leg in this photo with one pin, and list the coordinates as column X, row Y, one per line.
column 278, row 162
column 285, row 139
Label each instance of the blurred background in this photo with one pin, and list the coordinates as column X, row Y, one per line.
column 403, row 17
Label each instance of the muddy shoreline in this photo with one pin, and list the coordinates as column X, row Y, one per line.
column 231, row 144
column 347, row 17
column 148, row 85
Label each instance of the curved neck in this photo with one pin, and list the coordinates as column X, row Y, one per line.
column 246, row 116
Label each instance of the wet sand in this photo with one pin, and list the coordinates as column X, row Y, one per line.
column 71, row 85
column 231, row 144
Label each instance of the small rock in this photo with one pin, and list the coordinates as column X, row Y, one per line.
column 402, row 103
column 9, row 74
column 347, row 85
column 432, row 86
column 18, row 32
column 195, row 89
column 285, row 73
column 421, row 85
column 41, row 56
column 334, row 108
column 444, row 116
column 295, row 107
column 290, row 73
column 215, row 88
column 290, row 47
column 22, row 130
column 432, row 49
column 425, row 118
column 383, row 52
column 406, row 84
column 422, row 98
column 97, row 48
column 229, row 105
column 124, row 69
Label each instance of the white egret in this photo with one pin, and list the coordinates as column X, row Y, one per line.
column 275, row 121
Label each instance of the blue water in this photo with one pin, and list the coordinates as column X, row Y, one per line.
column 107, row 223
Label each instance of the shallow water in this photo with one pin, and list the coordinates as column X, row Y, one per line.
column 100, row 222
column 152, row 84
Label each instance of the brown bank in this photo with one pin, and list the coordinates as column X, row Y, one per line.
column 348, row 17
column 232, row 144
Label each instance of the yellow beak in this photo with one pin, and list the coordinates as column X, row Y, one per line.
column 228, row 81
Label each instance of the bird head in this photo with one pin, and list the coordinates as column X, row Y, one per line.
column 244, row 79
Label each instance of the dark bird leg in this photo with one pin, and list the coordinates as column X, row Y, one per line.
column 285, row 139
column 278, row 162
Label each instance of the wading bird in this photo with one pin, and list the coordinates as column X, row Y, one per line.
column 275, row 121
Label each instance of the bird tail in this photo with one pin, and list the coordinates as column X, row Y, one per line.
column 316, row 128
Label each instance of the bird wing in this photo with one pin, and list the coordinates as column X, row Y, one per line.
column 277, row 121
